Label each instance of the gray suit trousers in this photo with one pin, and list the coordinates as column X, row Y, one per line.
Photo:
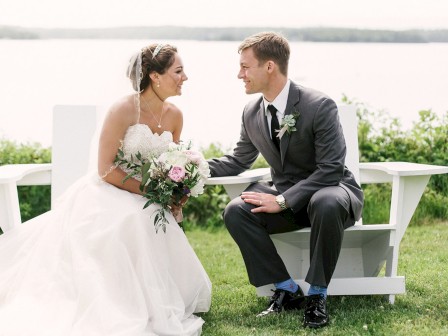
column 327, row 213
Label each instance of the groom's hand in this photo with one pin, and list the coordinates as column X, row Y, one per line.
column 263, row 202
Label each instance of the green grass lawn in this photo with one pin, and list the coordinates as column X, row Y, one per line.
column 423, row 310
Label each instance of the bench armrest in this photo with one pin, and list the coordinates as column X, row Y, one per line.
column 252, row 175
column 234, row 185
column 383, row 172
column 408, row 180
column 26, row 174
column 15, row 175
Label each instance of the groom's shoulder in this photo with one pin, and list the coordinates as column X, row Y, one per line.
column 308, row 94
column 254, row 104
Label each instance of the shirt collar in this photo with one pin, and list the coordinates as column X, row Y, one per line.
column 280, row 101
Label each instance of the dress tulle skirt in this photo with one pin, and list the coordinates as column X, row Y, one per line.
column 95, row 266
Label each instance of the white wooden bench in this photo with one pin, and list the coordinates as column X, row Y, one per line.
column 73, row 129
column 366, row 248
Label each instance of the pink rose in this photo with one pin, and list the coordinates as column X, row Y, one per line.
column 177, row 173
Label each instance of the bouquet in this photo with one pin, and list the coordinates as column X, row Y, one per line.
column 168, row 179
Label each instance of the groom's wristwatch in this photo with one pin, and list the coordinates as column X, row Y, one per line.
column 281, row 202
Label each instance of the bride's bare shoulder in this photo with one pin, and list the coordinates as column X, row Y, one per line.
column 124, row 109
column 173, row 110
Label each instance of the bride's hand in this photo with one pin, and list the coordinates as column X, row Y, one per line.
column 177, row 213
column 183, row 201
column 176, row 209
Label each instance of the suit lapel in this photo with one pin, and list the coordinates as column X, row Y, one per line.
column 291, row 106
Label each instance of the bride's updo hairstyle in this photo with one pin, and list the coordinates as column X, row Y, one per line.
column 155, row 57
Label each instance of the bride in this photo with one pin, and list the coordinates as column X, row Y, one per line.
column 94, row 265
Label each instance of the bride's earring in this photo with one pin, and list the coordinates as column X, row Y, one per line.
column 158, row 84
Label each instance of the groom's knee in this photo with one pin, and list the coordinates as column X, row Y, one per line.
column 328, row 202
column 235, row 213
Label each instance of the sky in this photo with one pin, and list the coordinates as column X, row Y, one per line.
column 371, row 14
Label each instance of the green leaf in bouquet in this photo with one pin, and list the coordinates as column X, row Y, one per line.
column 138, row 156
column 147, row 204
column 145, row 175
column 127, row 177
column 146, row 167
column 160, row 220
column 119, row 157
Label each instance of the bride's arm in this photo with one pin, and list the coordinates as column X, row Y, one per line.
column 117, row 121
column 176, row 121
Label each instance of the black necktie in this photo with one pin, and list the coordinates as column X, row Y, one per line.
column 274, row 125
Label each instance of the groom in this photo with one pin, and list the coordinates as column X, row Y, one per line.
column 297, row 131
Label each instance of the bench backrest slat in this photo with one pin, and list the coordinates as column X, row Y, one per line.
column 73, row 129
column 349, row 122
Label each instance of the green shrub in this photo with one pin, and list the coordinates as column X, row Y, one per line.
column 381, row 138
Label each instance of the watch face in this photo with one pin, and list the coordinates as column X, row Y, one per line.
column 281, row 201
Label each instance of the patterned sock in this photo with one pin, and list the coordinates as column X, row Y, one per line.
column 288, row 285
column 318, row 290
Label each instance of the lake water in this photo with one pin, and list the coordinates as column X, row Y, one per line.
column 35, row 75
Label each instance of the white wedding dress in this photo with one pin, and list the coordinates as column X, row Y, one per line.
column 94, row 265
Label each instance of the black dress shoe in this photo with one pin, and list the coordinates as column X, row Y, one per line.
column 284, row 300
column 316, row 315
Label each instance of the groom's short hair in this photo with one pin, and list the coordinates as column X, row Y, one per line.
column 269, row 46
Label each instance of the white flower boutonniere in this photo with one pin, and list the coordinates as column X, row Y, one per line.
column 288, row 124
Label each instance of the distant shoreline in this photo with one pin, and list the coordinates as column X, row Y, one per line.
column 316, row 34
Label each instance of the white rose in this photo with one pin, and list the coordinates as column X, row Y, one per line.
column 197, row 189
column 204, row 169
column 174, row 158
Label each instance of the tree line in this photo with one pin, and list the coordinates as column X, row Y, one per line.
column 320, row 34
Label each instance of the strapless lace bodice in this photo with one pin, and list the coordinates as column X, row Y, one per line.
column 140, row 138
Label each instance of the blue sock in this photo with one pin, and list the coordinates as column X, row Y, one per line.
column 314, row 290
column 288, row 285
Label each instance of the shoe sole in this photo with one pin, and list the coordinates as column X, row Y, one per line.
column 316, row 326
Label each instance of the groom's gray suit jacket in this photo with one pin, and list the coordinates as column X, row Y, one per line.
column 310, row 158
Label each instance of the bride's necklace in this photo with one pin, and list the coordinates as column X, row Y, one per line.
column 159, row 122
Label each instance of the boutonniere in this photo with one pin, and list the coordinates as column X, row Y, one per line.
column 288, row 124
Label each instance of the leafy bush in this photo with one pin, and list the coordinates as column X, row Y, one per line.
column 34, row 200
column 381, row 138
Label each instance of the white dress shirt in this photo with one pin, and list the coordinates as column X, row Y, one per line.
column 279, row 103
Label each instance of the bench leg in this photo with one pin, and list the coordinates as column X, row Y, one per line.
column 9, row 206
column 391, row 298
column 406, row 194
column 392, row 268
